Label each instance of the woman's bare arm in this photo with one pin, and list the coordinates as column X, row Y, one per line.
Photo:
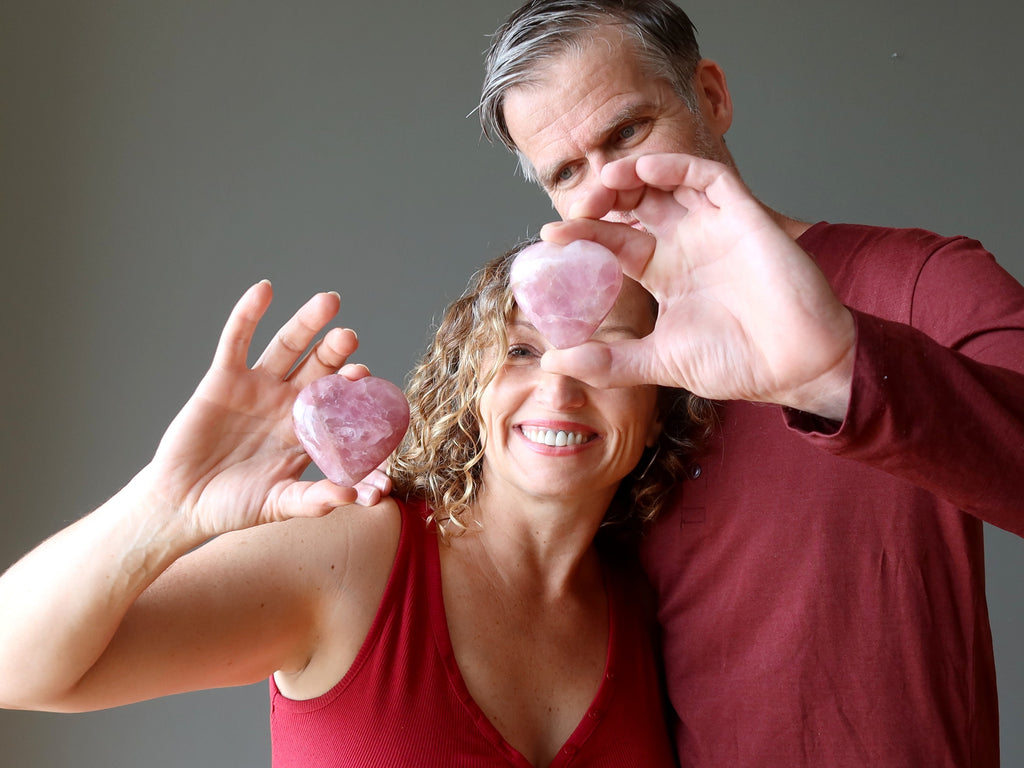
column 188, row 577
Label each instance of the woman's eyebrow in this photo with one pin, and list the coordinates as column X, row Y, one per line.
column 524, row 324
column 617, row 330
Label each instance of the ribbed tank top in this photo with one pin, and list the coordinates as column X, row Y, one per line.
column 403, row 702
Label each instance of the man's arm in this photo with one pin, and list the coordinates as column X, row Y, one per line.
column 934, row 397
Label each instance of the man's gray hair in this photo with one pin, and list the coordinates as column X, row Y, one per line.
column 664, row 40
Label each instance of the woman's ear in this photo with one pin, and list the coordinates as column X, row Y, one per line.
column 653, row 433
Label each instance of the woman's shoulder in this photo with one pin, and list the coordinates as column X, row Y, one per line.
column 350, row 533
column 344, row 553
column 346, row 561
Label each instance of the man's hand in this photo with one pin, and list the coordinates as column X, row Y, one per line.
column 745, row 314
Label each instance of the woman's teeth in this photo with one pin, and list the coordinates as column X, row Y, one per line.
column 556, row 438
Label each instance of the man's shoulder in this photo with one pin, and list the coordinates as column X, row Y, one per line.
column 870, row 267
column 863, row 239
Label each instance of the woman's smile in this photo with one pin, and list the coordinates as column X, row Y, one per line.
column 556, row 437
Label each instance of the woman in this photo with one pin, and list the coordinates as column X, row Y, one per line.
column 493, row 634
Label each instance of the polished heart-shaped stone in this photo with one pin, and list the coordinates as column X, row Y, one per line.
column 566, row 291
column 349, row 427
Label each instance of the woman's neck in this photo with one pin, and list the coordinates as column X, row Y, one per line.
column 539, row 545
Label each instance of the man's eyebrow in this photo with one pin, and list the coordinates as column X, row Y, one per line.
column 546, row 178
column 627, row 114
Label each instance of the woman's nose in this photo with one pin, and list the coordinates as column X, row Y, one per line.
column 560, row 393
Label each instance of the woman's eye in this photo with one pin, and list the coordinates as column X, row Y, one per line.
column 519, row 351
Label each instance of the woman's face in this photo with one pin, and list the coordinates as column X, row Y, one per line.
column 552, row 435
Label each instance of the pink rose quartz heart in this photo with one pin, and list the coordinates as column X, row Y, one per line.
column 566, row 291
column 348, row 427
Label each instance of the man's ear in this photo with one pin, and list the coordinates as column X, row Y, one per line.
column 713, row 95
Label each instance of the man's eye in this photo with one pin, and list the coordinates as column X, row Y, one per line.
column 628, row 132
column 565, row 174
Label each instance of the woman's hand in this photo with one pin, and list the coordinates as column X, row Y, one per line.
column 230, row 459
column 124, row 604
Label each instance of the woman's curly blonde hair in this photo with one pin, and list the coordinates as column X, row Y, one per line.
column 441, row 458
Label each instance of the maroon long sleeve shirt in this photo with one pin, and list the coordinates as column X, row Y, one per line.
column 821, row 586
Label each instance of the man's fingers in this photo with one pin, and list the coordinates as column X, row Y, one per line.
column 633, row 247
column 660, row 211
column 673, row 173
column 596, row 204
column 604, row 365
column 685, row 174
column 665, row 171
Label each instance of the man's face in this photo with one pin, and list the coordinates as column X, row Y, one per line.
column 593, row 107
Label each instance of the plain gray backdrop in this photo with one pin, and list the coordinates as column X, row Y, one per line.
column 158, row 157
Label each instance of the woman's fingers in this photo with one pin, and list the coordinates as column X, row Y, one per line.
column 373, row 487
column 286, row 355
column 233, row 347
column 327, row 356
column 291, row 341
column 312, row 499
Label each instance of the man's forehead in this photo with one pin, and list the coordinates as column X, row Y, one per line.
column 588, row 76
column 551, row 123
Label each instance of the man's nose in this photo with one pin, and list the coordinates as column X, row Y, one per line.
column 596, row 201
column 592, row 200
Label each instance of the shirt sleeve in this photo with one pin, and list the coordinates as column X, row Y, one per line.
column 939, row 400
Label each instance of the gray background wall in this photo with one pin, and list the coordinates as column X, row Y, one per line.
column 157, row 157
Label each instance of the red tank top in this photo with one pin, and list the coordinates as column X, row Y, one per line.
column 404, row 702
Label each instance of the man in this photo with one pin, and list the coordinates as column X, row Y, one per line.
column 820, row 578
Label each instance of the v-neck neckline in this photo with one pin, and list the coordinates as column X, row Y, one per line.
column 592, row 717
